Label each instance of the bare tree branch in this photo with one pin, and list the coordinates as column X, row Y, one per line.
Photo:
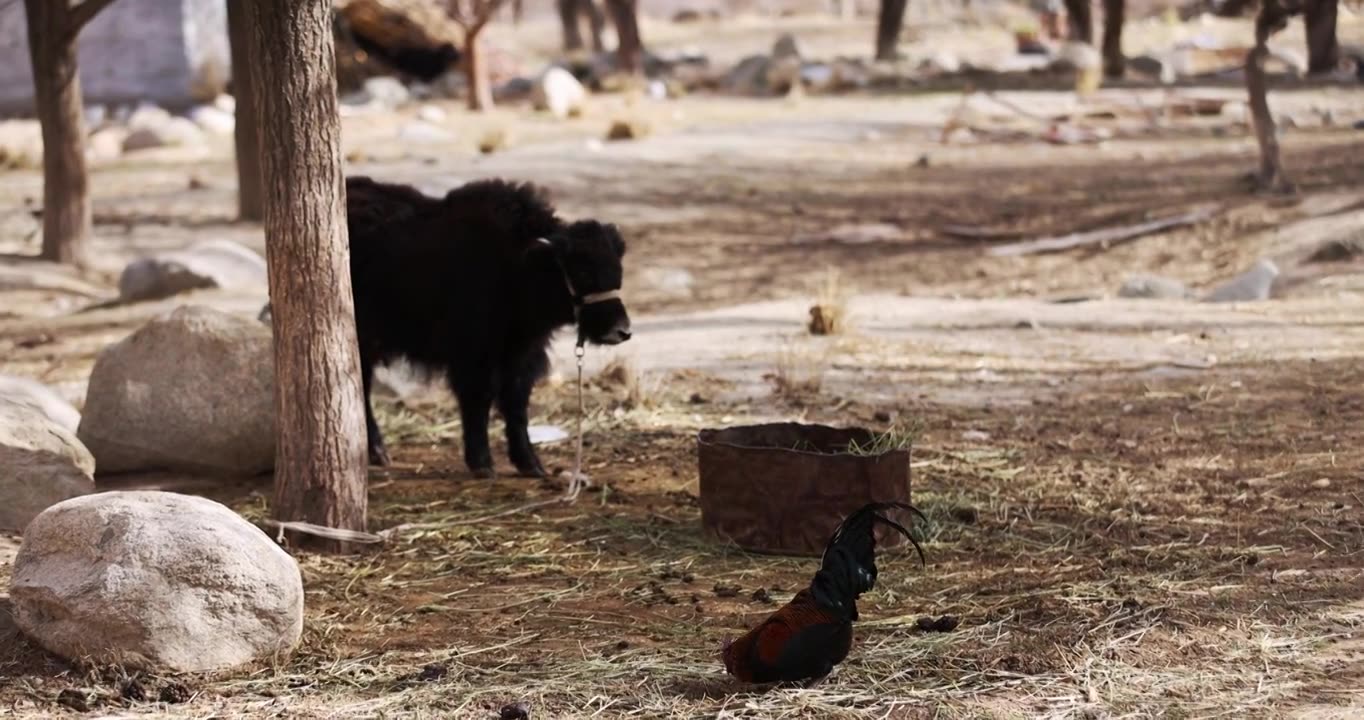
column 85, row 12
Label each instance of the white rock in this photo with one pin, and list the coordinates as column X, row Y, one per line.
column 22, row 390
column 147, row 116
column 818, row 76
column 558, row 92
column 213, row 120
column 208, row 264
column 418, row 131
column 191, row 390
column 1254, row 284
column 175, row 132
column 41, row 464
column 387, row 91
column 431, row 114
column 155, row 580
column 226, row 103
column 106, row 144
column 95, row 115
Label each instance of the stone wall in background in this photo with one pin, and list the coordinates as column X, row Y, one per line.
column 170, row 52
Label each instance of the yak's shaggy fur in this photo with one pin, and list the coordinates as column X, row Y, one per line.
column 463, row 285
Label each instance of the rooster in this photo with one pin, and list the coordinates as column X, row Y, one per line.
column 807, row 637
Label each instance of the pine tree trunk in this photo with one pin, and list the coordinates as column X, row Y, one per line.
column 1115, row 64
column 1323, row 50
column 250, row 205
column 568, row 19
column 888, row 25
column 67, row 214
column 476, row 72
column 1080, row 21
column 630, row 49
column 320, row 461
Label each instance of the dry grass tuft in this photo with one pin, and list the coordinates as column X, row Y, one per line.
column 799, row 373
column 829, row 315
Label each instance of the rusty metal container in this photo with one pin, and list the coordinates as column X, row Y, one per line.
column 783, row 488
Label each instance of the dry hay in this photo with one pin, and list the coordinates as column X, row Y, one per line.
column 1093, row 578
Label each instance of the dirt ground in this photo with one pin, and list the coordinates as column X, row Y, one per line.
column 1137, row 508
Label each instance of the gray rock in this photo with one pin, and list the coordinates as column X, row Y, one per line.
column 208, row 264
column 1254, row 284
column 557, row 92
column 147, row 116
column 191, row 390
column 41, row 464
column 785, row 47
column 1153, row 287
column 156, row 581
column 818, row 77
column 175, row 132
column 21, row 390
column 749, row 77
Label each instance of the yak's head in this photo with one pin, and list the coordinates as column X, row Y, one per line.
column 588, row 254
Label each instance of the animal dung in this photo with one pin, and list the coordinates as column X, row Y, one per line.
column 783, row 488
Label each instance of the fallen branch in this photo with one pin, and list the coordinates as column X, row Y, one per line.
column 1105, row 236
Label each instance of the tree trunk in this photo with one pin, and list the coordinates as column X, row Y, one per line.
column 1323, row 51
column 568, row 19
column 630, row 48
column 888, row 24
column 476, row 72
column 250, row 205
column 1080, row 21
column 1115, row 65
column 1271, row 177
column 67, row 215
column 596, row 20
column 320, row 460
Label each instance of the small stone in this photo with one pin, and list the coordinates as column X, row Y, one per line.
column 1253, row 285
column 432, row 673
column 206, row 264
column 515, row 711
column 761, row 595
column 175, row 132
column 431, row 114
column 725, row 590
column 1321, row 483
column 494, row 140
column 386, row 91
column 975, row 436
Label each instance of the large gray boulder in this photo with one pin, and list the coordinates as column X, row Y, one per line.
column 155, row 580
column 208, row 264
column 41, row 464
column 191, row 390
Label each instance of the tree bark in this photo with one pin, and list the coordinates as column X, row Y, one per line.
column 630, row 47
column 596, row 21
column 1080, row 21
column 1271, row 18
column 1115, row 64
column 67, row 215
column 320, row 461
column 250, row 204
column 476, row 72
column 1323, row 50
column 568, row 19
column 888, row 23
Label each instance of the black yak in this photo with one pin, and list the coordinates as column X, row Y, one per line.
column 473, row 285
